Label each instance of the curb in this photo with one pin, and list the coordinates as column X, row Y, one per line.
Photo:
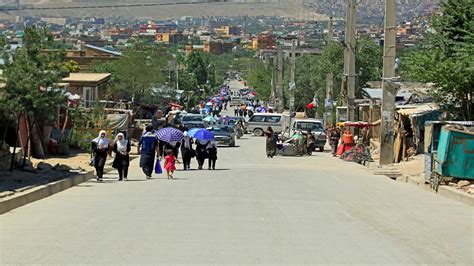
column 445, row 191
column 43, row 191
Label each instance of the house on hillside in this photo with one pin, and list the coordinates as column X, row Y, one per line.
column 90, row 86
column 90, row 54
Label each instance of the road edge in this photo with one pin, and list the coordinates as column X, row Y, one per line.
column 445, row 191
column 42, row 191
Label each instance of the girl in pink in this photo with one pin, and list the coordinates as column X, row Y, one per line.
column 170, row 161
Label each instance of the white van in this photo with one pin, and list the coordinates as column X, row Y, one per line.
column 259, row 123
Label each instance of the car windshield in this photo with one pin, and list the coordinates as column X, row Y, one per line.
column 221, row 129
column 193, row 118
column 305, row 126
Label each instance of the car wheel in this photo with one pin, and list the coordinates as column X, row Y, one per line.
column 321, row 149
column 258, row 132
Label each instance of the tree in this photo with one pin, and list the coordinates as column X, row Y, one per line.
column 136, row 73
column 446, row 58
column 197, row 65
column 369, row 63
column 260, row 79
column 30, row 79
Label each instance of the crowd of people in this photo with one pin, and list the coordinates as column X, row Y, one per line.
column 152, row 152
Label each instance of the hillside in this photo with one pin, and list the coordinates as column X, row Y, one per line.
column 293, row 9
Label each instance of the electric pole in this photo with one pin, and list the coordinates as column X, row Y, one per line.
column 329, row 81
column 292, row 85
column 389, row 88
column 279, row 80
column 350, row 47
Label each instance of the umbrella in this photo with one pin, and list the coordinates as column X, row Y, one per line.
column 210, row 119
column 201, row 134
column 170, row 135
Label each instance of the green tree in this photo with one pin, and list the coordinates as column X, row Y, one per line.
column 29, row 77
column 137, row 72
column 260, row 79
column 446, row 58
column 197, row 65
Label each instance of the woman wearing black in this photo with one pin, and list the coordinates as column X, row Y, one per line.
column 271, row 143
column 100, row 147
column 201, row 153
column 122, row 157
column 212, row 153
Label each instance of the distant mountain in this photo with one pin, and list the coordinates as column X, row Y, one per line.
column 302, row 9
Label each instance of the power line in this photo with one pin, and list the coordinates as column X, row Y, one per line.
column 123, row 5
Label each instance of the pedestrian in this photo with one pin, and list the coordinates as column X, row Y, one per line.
column 236, row 110
column 310, row 142
column 250, row 113
column 201, row 152
column 122, row 157
column 148, row 147
column 170, row 161
column 100, row 148
column 334, row 139
column 187, row 152
column 241, row 112
column 212, row 153
column 271, row 142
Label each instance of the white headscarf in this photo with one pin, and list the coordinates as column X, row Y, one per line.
column 102, row 141
column 121, row 144
column 187, row 140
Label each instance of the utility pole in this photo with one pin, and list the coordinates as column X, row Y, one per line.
column 274, row 82
column 329, row 81
column 389, row 88
column 348, row 82
column 279, row 80
column 292, row 85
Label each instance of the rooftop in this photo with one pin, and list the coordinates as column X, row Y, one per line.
column 87, row 77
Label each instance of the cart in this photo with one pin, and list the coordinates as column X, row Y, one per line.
column 454, row 158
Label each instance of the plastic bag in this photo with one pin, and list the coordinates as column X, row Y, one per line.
column 158, row 169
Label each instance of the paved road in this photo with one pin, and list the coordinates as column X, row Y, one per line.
column 253, row 210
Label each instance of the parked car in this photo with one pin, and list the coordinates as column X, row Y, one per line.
column 303, row 125
column 224, row 135
column 259, row 122
column 193, row 120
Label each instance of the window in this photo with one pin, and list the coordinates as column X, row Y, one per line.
column 257, row 118
column 309, row 125
column 90, row 96
column 273, row 119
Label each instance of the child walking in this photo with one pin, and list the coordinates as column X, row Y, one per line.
column 170, row 161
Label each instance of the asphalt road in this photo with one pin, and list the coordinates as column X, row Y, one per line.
column 253, row 210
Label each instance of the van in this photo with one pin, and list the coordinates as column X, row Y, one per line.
column 259, row 123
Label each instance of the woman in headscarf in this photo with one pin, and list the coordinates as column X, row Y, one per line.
column 122, row 158
column 187, row 151
column 212, row 153
column 147, row 148
column 201, row 152
column 271, row 142
column 100, row 147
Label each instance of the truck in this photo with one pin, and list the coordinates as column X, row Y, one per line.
column 315, row 125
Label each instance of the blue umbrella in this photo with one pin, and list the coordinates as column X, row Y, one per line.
column 170, row 135
column 201, row 134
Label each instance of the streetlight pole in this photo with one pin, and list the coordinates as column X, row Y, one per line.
column 389, row 89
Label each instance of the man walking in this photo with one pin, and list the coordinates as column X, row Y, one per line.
column 149, row 147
